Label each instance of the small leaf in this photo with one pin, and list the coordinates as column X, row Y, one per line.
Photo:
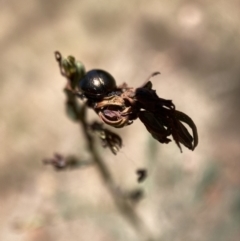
column 142, row 174
column 109, row 139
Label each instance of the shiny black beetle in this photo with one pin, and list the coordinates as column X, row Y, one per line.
column 96, row 84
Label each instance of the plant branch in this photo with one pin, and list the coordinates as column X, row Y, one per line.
column 78, row 114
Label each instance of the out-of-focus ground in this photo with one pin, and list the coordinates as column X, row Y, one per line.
column 189, row 196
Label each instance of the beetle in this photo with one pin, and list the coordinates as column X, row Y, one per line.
column 96, row 84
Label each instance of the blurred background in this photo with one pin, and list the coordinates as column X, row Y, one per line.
column 189, row 196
